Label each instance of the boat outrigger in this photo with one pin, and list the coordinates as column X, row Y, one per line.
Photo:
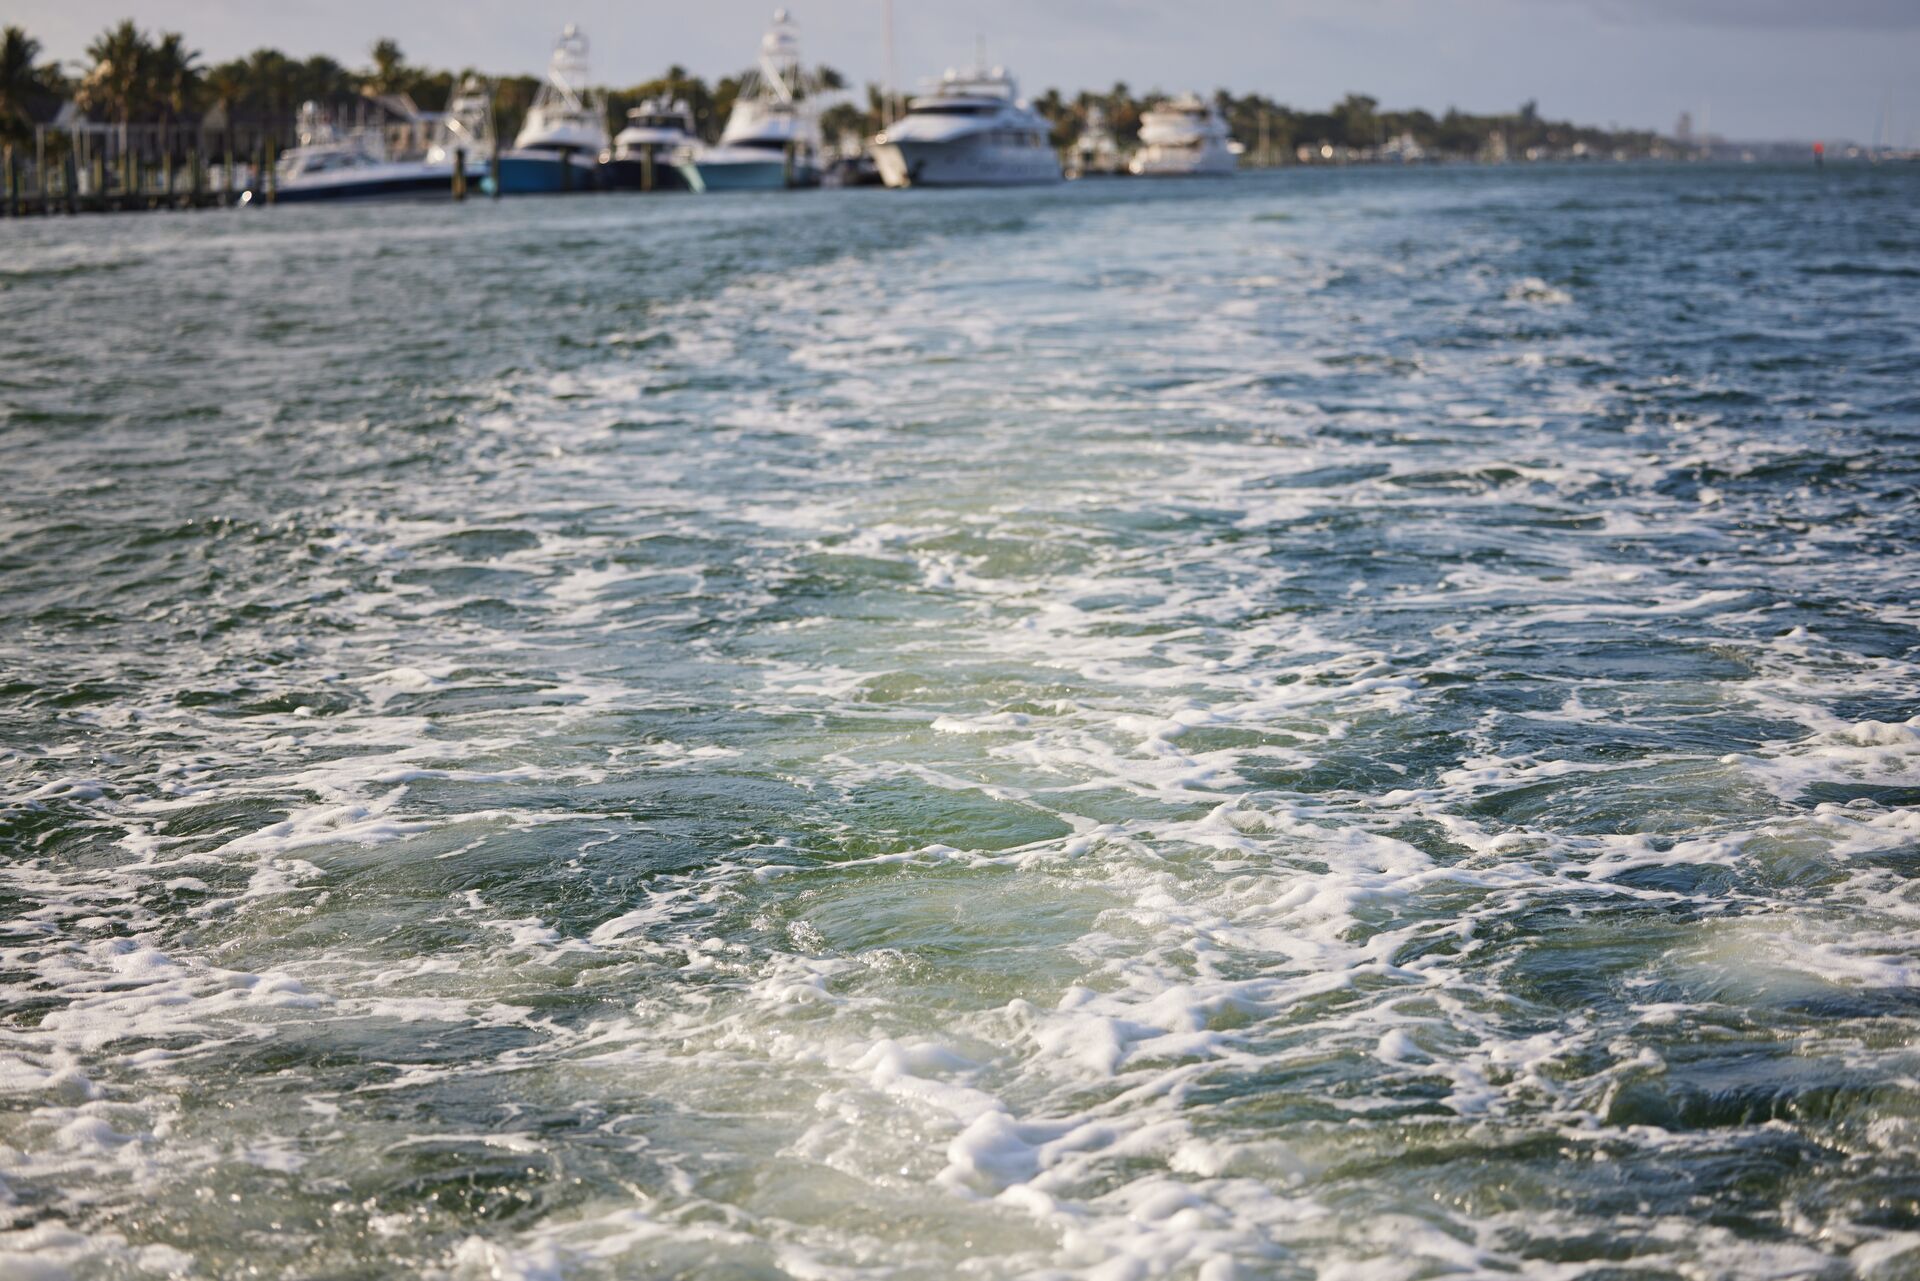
column 772, row 138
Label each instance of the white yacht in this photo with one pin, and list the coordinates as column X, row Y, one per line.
column 973, row 129
column 329, row 164
column 772, row 138
column 659, row 131
column 559, row 147
column 466, row 125
column 1185, row 137
column 1404, row 149
column 1095, row 153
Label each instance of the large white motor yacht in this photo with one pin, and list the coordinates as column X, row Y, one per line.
column 772, row 138
column 971, row 130
column 1185, row 137
column 559, row 147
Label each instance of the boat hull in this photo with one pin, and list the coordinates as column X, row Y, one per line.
column 948, row 164
column 525, row 173
column 628, row 173
column 1155, row 162
column 418, row 183
column 748, row 175
column 852, row 171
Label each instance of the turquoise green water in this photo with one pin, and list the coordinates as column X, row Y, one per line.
column 1348, row 725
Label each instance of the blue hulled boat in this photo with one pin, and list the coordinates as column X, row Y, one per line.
column 560, row 147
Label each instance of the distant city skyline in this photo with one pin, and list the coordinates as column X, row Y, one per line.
column 1743, row 69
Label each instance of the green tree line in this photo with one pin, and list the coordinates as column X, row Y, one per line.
column 132, row 76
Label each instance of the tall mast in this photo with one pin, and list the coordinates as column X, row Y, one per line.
column 886, row 99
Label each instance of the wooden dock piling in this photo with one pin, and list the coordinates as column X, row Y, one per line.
column 459, row 173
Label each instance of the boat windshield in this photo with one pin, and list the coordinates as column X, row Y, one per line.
column 944, row 107
column 326, row 158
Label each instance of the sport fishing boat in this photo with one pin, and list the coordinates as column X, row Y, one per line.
column 1185, row 138
column 465, row 126
column 331, row 164
column 772, row 138
column 971, row 130
column 559, row 147
column 645, row 153
column 1095, row 154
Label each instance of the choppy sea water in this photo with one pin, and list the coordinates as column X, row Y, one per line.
column 1347, row 725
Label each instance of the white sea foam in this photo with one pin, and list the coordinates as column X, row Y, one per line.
column 785, row 800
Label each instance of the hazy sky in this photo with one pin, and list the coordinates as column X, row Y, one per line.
column 1749, row 68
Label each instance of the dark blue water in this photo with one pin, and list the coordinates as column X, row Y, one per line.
column 1338, row 724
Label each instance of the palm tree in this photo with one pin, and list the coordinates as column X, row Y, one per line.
column 119, row 82
column 320, row 78
column 120, row 85
column 175, row 76
column 390, row 71
column 1359, row 126
column 225, row 86
column 19, row 82
column 1123, row 110
column 270, row 84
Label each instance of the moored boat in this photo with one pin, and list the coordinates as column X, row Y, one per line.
column 333, row 164
column 849, row 164
column 1095, row 153
column 646, row 153
column 1185, row 137
column 971, row 130
column 772, row 138
column 560, row 146
column 465, row 128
